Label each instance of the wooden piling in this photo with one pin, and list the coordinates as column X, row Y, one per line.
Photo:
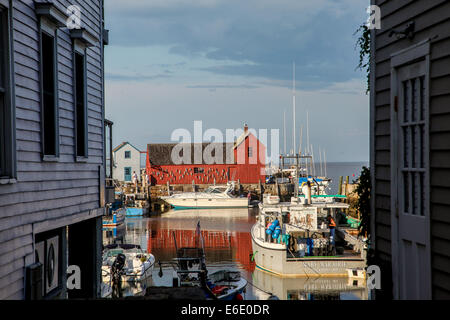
column 340, row 185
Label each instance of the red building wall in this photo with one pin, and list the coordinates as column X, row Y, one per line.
column 248, row 169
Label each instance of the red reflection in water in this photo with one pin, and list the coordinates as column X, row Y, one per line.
column 237, row 242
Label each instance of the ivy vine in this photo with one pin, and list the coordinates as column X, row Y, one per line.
column 363, row 45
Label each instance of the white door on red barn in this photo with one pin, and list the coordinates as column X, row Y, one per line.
column 411, row 229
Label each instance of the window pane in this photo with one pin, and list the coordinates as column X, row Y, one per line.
column 406, row 146
column 422, row 98
column 2, row 52
column 48, row 94
column 406, row 192
column 80, row 105
column 417, row 193
column 422, row 149
column 422, row 194
column 2, row 134
column 415, row 99
column 406, row 95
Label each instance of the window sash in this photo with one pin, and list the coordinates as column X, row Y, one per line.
column 49, row 97
column 412, row 137
column 7, row 112
column 80, row 103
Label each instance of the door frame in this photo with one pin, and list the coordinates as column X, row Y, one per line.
column 420, row 51
column 124, row 175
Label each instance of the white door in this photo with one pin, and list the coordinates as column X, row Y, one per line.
column 411, row 228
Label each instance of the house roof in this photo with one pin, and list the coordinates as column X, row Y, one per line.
column 160, row 154
column 122, row 145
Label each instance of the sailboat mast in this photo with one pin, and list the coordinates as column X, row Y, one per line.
column 284, row 128
column 293, row 107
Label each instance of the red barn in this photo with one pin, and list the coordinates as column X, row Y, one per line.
column 243, row 160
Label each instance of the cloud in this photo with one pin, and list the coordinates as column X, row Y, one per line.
column 133, row 77
column 264, row 36
column 223, row 86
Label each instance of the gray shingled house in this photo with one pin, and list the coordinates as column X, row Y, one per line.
column 52, row 155
column 410, row 148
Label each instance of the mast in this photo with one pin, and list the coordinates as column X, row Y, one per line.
column 308, row 147
column 284, row 128
column 320, row 162
column 293, row 108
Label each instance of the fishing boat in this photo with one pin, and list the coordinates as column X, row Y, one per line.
column 212, row 197
column 116, row 218
column 288, row 240
column 137, row 265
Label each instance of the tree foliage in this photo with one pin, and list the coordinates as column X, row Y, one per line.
column 363, row 45
column 363, row 203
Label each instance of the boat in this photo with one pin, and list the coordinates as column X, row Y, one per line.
column 116, row 218
column 309, row 288
column 138, row 265
column 227, row 284
column 190, row 270
column 298, row 245
column 212, row 197
column 136, row 211
column 135, row 207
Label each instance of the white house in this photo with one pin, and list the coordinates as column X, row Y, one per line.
column 127, row 159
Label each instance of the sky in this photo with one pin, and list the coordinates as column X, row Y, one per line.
column 229, row 62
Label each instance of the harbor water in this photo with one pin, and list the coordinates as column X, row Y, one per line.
column 227, row 243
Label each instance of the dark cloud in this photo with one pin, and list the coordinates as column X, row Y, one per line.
column 263, row 36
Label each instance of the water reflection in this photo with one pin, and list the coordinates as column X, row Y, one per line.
column 227, row 240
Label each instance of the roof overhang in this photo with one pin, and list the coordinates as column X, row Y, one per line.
column 87, row 38
column 51, row 12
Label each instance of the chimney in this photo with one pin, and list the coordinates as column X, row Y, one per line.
column 245, row 128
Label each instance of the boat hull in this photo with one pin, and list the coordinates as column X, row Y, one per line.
column 183, row 203
column 272, row 258
column 115, row 219
column 136, row 212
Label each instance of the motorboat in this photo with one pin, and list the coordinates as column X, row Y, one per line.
column 137, row 266
column 227, row 284
column 212, row 197
column 116, row 218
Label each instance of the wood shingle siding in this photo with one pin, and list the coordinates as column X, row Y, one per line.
column 65, row 191
column 432, row 21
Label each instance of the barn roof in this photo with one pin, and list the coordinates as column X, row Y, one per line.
column 160, row 154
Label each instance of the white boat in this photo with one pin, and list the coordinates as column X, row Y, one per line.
column 138, row 264
column 227, row 284
column 212, row 197
column 308, row 254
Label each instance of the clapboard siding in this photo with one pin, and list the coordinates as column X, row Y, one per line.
column 432, row 21
column 46, row 191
